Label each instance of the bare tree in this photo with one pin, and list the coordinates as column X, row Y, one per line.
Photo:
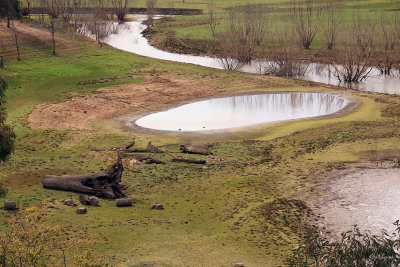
column 97, row 23
column 387, row 55
column 120, row 8
column 150, row 4
column 54, row 9
column 333, row 21
column 285, row 59
column 363, row 31
column 16, row 40
column 306, row 20
column 213, row 21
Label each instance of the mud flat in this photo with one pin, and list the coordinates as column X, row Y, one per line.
column 367, row 197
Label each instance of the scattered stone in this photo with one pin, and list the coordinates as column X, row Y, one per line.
column 123, row 202
column 84, row 199
column 94, row 201
column 157, row 206
column 10, row 205
column 70, row 202
column 238, row 265
column 81, row 210
column 135, row 162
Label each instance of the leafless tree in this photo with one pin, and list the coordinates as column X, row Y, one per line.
column 285, row 59
column 213, row 21
column 97, row 23
column 363, row 31
column 355, row 64
column 54, row 9
column 16, row 39
column 387, row 56
column 227, row 59
column 333, row 21
column 306, row 21
column 150, row 4
column 120, row 8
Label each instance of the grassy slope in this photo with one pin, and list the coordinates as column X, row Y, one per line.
column 213, row 217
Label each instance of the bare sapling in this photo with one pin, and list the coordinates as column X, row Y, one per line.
column 386, row 54
column 306, row 21
column 213, row 21
column 363, row 31
column 150, row 4
column 120, row 8
column 333, row 21
column 285, row 59
column 227, row 59
column 355, row 63
column 54, row 9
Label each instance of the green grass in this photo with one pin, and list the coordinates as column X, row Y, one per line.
column 248, row 207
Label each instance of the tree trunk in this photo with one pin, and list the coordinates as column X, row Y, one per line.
column 195, row 149
column 54, row 41
column 16, row 41
column 189, row 160
column 105, row 184
column 8, row 22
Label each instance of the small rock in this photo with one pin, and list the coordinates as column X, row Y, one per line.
column 123, row 202
column 94, row 201
column 84, row 199
column 157, row 206
column 134, row 162
column 238, row 265
column 69, row 202
column 10, row 205
column 81, row 210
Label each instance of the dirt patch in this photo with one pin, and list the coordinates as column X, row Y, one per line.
column 79, row 112
column 367, row 197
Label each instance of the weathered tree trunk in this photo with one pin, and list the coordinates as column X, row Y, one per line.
column 188, row 160
column 149, row 149
column 114, row 148
column 195, row 149
column 105, row 184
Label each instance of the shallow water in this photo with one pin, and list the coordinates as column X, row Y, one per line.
column 238, row 111
column 129, row 38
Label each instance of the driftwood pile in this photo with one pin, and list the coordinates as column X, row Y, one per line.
column 107, row 183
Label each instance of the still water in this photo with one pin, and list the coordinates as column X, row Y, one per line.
column 238, row 111
column 129, row 38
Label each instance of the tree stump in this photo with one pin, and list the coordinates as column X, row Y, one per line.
column 81, row 210
column 105, row 184
column 123, row 202
column 10, row 205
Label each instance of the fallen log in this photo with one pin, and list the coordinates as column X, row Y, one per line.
column 189, row 160
column 195, row 149
column 114, row 148
column 123, row 202
column 139, row 157
column 149, row 149
column 105, row 184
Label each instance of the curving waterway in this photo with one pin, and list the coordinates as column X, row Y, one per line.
column 129, row 38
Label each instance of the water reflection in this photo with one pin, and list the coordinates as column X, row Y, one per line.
column 129, row 38
column 237, row 111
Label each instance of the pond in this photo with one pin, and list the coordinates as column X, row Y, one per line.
column 244, row 110
column 129, row 38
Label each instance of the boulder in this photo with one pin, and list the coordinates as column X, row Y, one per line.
column 69, row 202
column 84, row 199
column 195, row 149
column 94, row 201
column 157, row 206
column 123, row 202
column 81, row 210
column 10, row 205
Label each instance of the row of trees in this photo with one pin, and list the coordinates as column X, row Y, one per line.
column 364, row 43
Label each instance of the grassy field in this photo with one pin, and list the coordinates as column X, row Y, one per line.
column 248, row 205
column 193, row 35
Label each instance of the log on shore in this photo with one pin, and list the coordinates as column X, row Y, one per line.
column 114, row 148
column 195, row 149
column 105, row 184
column 189, row 160
column 149, row 149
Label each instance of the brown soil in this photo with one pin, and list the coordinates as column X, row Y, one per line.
column 30, row 37
column 79, row 112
